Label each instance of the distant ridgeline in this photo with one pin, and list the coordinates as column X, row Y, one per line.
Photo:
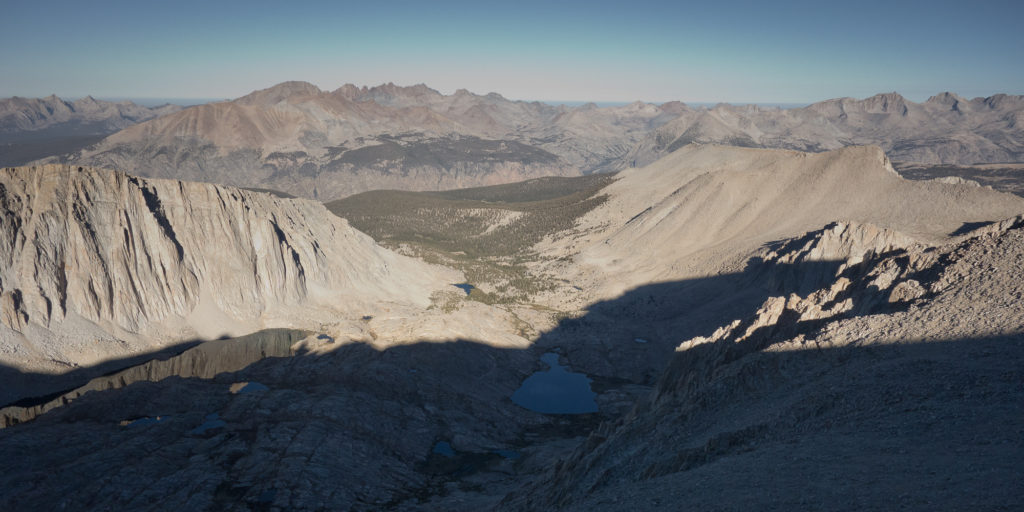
column 327, row 145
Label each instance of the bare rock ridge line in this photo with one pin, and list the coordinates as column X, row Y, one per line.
column 95, row 263
column 326, row 145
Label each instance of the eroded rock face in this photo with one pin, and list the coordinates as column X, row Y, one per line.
column 169, row 259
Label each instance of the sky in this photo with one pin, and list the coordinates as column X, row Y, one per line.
column 655, row 51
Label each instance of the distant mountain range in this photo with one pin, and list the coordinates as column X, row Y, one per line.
column 326, row 145
column 32, row 114
column 33, row 128
column 944, row 129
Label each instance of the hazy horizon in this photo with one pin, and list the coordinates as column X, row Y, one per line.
column 190, row 101
column 728, row 51
column 155, row 102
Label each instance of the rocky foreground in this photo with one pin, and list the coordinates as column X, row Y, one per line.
column 769, row 355
column 895, row 384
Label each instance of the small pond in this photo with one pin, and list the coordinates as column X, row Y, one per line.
column 466, row 287
column 556, row 391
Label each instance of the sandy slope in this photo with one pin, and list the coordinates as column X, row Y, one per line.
column 706, row 209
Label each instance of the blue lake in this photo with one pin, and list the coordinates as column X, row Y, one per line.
column 466, row 287
column 556, row 391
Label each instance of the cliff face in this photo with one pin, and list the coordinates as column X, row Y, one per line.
column 166, row 258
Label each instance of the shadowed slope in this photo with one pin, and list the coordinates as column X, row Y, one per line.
column 899, row 382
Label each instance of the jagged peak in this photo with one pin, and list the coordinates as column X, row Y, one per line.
column 390, row 87
column 944, row 98
column 385, row 93
column 948, row 99
column 889, row 102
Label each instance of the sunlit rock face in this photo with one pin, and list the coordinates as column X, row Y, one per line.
column 90, row 258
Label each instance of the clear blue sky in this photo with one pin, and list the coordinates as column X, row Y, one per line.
column 717, row 50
